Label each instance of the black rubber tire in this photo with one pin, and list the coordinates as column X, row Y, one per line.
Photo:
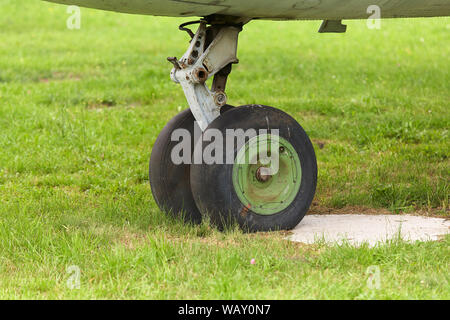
column 212, row 185
column 170, row 183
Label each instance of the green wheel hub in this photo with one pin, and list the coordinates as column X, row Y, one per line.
column 261, row 185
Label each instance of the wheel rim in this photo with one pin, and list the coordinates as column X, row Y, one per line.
column 260, row 190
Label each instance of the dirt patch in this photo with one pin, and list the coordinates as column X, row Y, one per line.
column 60, row 76
column 320, row 143
column 101, row 104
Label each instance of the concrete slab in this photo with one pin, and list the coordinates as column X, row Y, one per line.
column 371, row 229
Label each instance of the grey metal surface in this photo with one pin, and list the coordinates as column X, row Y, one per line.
column 199, row 64
column 272, row 9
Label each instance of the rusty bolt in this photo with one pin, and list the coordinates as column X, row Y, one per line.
column 220, row 99
column 262, row 177
column 200, row 75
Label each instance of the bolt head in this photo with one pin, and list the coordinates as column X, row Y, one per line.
column 260, row 176
column 220, row 99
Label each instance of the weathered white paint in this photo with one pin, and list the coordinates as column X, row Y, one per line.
column 272, row 9
column 221, row 52
column 371, row 229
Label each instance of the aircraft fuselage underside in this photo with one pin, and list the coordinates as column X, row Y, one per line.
column 272, row 9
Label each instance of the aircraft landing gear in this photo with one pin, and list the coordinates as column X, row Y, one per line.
column 251, row 165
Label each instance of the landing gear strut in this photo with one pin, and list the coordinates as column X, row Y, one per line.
column 242, row 185
column 211, row 53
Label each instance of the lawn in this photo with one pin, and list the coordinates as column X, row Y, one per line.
column 81, row 109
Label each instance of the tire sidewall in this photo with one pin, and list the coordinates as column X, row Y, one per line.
column 213, row 187
column 170, row 183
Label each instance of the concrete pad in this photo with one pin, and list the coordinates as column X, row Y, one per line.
column 371, row 229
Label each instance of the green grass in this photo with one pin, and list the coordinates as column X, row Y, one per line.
column 80, row 111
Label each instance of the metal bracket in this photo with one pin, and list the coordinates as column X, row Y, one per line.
column 332, row 26
column 201, row 62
